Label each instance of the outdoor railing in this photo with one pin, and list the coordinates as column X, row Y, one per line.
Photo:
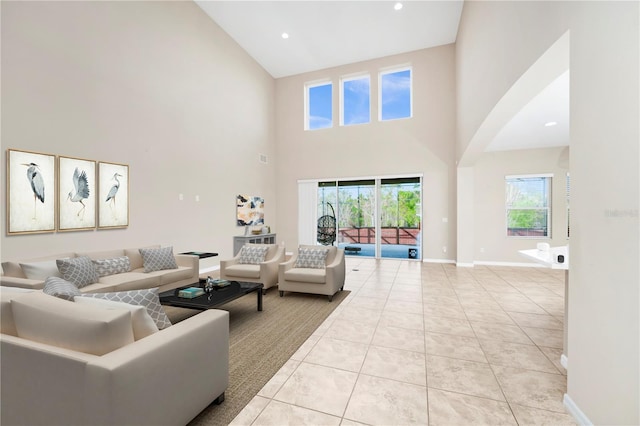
column 390, row 235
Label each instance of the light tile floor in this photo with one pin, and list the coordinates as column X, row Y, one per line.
column 418, row 343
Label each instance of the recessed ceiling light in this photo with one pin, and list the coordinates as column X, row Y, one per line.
column 397, row 6
column 550, row 124
column 285, row 35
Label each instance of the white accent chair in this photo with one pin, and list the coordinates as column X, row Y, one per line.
column 327, row 281
column 266, row 272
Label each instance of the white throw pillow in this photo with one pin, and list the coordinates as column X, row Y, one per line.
column 142, row 323
column 40, row 270
column 47, row 319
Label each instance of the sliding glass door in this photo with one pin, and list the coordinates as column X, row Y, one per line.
column 377, row 217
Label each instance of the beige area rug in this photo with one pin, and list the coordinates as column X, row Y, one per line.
column 261, row 342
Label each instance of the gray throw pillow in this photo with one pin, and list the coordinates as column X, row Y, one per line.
column 252, row 254
column 311, row 258
column 148, row 298
column 116, row 265
column 158, row 259
column 79, row 270
column 58, row 287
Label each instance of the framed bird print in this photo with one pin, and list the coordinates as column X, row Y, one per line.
column 76, row 194
column 113, row 195
column 31, row 189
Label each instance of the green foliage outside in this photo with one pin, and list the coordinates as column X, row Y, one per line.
column 356, row 207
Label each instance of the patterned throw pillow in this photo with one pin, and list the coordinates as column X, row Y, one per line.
column 78, row 270
column 157, row 259
column 56, row 286
column 311, row 258
column 253, row 254
column 116, row 265
column 147, row 298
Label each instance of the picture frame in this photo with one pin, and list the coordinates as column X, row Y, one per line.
column 113, row 195
column 249, row 210
column 31, row 192
column 76, row 194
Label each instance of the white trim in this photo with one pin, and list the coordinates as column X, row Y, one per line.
column 464, row 265
column 438, row 260
column 310, row 85
column 519, row 264
column 575, row 411
column 209, row 269
column 564, row 361
column 534, row 175
column 370, row 177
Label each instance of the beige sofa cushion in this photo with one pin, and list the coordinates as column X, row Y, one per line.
column 57, row 322
column 13, row 269
column 130, row 281
column 103, row 254
column 243, row 271
column 306, row 275
column 7, row 294
column 142, row 323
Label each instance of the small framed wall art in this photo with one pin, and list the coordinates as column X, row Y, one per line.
column 113, row 195
column 31, row 188
column 77, row 194
column 250, row 210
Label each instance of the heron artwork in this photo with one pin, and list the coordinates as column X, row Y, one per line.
column 37, row 184
column 81, row 186
column 111, row 196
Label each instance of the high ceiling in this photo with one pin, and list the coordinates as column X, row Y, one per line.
column 324, row 34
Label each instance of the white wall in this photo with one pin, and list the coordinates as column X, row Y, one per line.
column 155, row 85
column 423, row 144
column 489, row 201
column 497, row 42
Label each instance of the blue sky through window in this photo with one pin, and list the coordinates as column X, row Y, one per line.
column 395, row 95
column 356, row 101
column 320, row 102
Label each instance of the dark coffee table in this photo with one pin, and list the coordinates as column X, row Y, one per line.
column 218, row 297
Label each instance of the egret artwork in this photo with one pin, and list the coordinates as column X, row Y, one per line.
column 113, row 191
column 77, row 201
column 31, row 192
column 81, row 190
column 37, row 185
column 113, row 196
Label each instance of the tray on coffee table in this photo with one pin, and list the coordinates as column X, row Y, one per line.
column 216, row 298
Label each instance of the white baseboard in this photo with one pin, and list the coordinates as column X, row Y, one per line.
column 576, row 412
column 438, row 261
column 518, row 264
column 564, row 361
column 210, row 269
column 464, row 265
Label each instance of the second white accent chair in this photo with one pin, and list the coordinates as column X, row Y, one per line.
column 249, row 266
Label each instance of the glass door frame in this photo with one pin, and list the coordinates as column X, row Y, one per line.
column 378, row 209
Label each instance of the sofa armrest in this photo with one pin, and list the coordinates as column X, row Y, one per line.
column 21, row 282
column 188, row 261
column 33, row 375
column 165, row 378
column 229, row 262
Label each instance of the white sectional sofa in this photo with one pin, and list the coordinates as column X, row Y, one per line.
column 31, row 273
column 165, row 378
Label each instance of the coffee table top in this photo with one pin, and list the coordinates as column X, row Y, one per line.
column 219, row 296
